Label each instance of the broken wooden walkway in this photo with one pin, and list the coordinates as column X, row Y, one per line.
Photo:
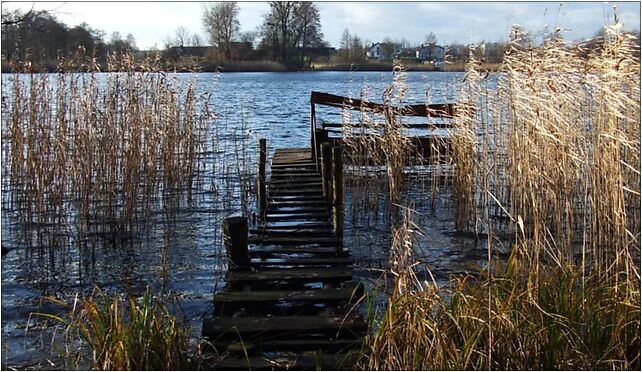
column 290, row 295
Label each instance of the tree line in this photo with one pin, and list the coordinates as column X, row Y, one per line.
column 290, row 35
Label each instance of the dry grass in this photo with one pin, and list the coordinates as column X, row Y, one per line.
column 90, row 159
column 120, row 334
column 550, row 155
column 107, row 146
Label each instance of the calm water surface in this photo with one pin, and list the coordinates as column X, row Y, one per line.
column 254, row 105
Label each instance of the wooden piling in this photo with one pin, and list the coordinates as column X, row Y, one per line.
column 262, row 188
column 337, row 187
column 321, row 136
column 235, row 241
column 313, row 139
column 326, row 170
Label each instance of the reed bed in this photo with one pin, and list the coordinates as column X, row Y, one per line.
column 102, row 169
column 106, row 145
column 93, row 155
column 548, row 160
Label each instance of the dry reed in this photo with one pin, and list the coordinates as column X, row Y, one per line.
column 549, row 155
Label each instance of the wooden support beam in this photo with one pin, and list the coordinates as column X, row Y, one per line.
column 235, row 241
column 337, row 187
column 326, row 170
column 262, row 185
column 313, row 127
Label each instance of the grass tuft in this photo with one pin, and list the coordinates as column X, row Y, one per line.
column 127, row 334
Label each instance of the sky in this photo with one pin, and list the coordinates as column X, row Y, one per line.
column 153, row 22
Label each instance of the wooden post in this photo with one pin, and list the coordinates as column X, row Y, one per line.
column 313, row 139
column 262, row 192
column 326, row 170
column 337, row 188
column 321, row 137
column 235, row 241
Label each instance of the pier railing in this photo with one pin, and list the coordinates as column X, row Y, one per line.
column 424, row 145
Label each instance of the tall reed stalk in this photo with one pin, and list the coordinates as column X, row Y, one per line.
column 550, row 156
column 94, row 154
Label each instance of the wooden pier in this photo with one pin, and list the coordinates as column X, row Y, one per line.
column 290, row 295
column 289, row 300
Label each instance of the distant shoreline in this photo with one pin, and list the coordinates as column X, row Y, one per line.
column 269, row 66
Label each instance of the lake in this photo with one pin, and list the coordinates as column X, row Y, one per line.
column 180, row 255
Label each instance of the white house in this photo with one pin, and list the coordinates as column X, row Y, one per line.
column 431, row 53
column 382, row 51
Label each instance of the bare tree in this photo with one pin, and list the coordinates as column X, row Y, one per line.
column 308, row 27
column 290, row 25
column 344, row 46
column 196, row 40
column 431, row 39
column 222, row 25
column 182, row 36
column 131, row 40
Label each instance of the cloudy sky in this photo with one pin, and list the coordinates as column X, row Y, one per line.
column 153, row 22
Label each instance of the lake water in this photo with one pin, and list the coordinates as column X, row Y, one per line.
column 181, row 256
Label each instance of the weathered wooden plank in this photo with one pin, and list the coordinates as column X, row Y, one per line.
column 213, row 327
column 405, row 125
column 297, row 170
column 312, row 295
column 324, row 241
column 300, row 225
column 293, row 149
column 326, row 345
column 301, row 204
column 294, row 192
column 297, row 209
column 297, row 274
column 289, row 362
column 291, row 162
column 305, row 165
column 301, row 176
column 296, row 217
column 291, row 198
column 286, row 180
column 294, row 233
column 266, row 250
column 292, row 228
column 445, row 110
column 316, row 261
column 293, row 185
